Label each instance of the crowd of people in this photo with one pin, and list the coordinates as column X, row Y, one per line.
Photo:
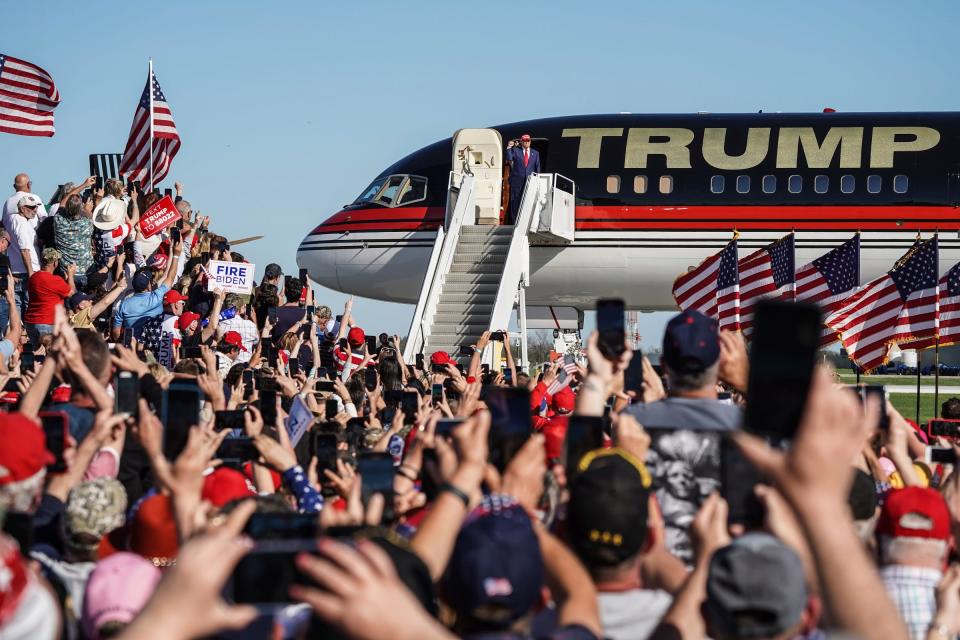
column 260, row 508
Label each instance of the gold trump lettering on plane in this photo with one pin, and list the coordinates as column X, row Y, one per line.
column 841, row 147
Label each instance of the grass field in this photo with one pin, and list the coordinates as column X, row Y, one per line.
column 945, row 381
column 906, row 404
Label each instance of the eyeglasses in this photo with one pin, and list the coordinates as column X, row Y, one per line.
column 31, row 206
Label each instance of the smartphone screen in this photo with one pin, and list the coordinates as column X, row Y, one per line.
column 436, row 393
column 370, row 379
column 303, row 275
column 325, row 449
column 237, row 450
column 294, row 366
column 264, row 576
column 633, row 375
column 179, row 411
column 56, row 427
column 785, row 342
column 411, row 404
column 331, row 408
column 508, row 376
column 192, row 352
column 324, row 385
column 268, row 406
column 126, row 388
column 879, row 392
column 229, row 420
column 272, row 314
column 611, row 327
column 420, row 361
column 371, row 344
column 247, row 382
column 940, row 455
column 174, row 235
column 466, row 351
column 944, row 428
column 738, row 480
column 445, row 426
column 509, row 422
column 27, row 361
column 376, row 469
column 584, row 434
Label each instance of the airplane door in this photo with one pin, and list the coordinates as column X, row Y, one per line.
column 480, row 153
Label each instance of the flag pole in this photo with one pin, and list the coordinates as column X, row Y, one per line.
column 918, row 388
column 150, row 114
column 936, row 376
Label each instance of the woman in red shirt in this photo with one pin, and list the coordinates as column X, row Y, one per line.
column 45, row 291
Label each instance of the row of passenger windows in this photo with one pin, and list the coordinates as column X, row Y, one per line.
column 768, row 184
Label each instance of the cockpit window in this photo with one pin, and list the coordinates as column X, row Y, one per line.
column 395, row 190
column 413, row 190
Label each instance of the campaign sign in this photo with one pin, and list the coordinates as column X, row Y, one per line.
column 236, row 277
column 299, row 419
column 161, row 215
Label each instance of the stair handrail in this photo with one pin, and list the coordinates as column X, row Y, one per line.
column 516, row 268
column 460, row 199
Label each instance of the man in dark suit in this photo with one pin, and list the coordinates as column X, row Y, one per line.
column 523, row 161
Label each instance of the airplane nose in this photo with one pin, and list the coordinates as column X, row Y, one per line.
column 318, row 255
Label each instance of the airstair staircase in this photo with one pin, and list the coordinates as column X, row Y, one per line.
column 478, row 272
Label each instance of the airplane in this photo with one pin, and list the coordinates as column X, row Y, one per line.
column 657, row 194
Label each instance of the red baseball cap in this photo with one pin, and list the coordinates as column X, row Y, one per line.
column 356, row 337
column 441, row 358
column 24, row 452
column 525, row 137
column 153, row 534
column 234, row 338
column 226, row 485
column 914, row 512
column 173, row 297
column 186, row 319
column 563, row 400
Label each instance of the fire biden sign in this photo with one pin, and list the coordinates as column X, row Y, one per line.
column 235, row 277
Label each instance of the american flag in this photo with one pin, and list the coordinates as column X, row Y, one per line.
column 766, row 273
column 28, row 97
column 900, row 306
column 166, row 140
column 713, row 288
column 830, row 280
column 949, row 319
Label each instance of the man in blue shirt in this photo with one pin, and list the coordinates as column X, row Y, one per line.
column 147, row 299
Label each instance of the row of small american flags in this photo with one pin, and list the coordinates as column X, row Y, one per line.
column 908, row 306
column 28, row 96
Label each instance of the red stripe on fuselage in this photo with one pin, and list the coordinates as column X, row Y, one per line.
column 683, row 218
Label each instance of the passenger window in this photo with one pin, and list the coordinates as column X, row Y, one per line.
column 639, row 184
column 717, row 183
column 743, row 184
column 795, row 184
column 899, row 184
column 413, row 191
column 666, row 184
column 874, row 183
column 821, row 184
column 769, row 184
column 847, row 184
column 613, row 184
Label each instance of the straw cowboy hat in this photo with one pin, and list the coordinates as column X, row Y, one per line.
column 109, row 214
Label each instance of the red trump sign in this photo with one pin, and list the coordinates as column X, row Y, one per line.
column 158, row 217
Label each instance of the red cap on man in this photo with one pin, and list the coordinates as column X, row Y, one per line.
column 914, row 512
column 356, row 337
column 563, row 401
column 440, row 358
column 525, row 137
column 234, row 338
column 172, row 297
column 186, row 319
column 24, row 452
column 226, row 485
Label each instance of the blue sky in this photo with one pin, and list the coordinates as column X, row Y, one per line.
column 288, row 109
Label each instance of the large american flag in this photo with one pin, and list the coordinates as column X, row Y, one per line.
column 830, row 280
column 766, row 273
column 713, row 288
column 166, row 140
column 949, row 320
column 28, row 97
column 899, row 306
